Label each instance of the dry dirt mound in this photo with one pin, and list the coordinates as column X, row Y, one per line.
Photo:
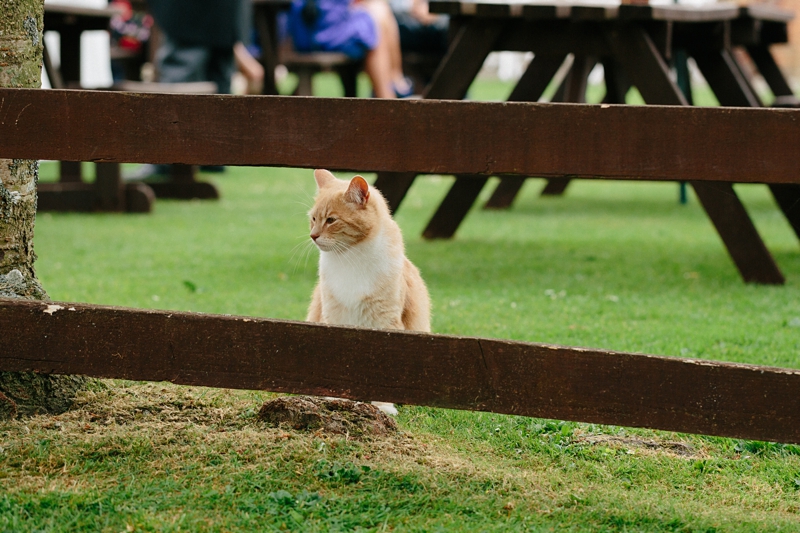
column 330, row 415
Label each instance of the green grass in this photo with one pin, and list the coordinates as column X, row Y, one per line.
column 490, row 89
column 611, row 265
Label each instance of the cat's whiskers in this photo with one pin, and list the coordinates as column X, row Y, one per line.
column 301, row 252
column 305, row 200
column 310, row 248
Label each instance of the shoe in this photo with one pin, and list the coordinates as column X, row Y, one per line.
column 404, row 92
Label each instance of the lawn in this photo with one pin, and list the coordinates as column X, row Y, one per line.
column 611, row 265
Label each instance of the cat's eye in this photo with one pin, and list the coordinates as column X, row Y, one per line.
column 330, row 220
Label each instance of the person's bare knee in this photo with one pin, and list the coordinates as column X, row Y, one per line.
column 379, row 10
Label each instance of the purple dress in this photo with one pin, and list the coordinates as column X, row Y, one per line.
column 338, row 27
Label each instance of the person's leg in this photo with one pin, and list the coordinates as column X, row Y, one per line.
column 177, row 63
column 220, row 68
column 385, row 61
column 377, row 65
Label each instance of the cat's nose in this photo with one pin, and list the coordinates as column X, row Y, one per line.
column 314, row 237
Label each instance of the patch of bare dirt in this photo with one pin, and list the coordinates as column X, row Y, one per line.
column 329, row 415
column 681, row 449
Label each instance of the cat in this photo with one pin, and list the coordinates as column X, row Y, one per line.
column 365, row 278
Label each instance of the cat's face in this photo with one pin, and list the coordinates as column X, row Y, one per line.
column 342, row 215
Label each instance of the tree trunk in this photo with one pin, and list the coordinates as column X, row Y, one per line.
column 21, row 35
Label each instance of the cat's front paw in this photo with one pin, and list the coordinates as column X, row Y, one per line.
column 386, row 407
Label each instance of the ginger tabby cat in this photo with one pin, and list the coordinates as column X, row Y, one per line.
column 365, row 278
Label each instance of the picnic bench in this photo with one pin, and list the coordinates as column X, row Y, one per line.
column 634, row 43
column 417, row 65
column 423, row 136
column 108, row 192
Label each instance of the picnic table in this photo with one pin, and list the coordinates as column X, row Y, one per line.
column 109, row 192
column 635, row 44
column 274, row 53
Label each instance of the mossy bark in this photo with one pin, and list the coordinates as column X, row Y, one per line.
column 21, row 41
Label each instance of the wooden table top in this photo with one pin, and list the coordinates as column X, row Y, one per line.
column 607, row 10
column 58, row 16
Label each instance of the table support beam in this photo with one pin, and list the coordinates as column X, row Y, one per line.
column 572, row 90
column 722, row 73
column 455, row 206
column 394, row 186
column 639, row 56
column 529, row 88
column 506, row 192
column 555, row 187
column 468, row 50
column 761, row 56
column 737, row 231
column 787, row 196
column 649, row 72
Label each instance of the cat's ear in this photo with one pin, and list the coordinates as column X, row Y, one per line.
column 357, row 191
column 324, row 178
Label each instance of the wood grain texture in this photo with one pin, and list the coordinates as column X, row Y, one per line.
column 529, row 139
column 423, row 369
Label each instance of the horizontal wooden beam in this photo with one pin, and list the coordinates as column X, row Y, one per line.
column 537, row 380
column 439, row 137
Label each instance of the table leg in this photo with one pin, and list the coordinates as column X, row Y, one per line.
column 70, row 56
column 722, row 73
column 555, row 186
column 737, row 231
column 784, row 96
column 635, row 51
column 787, row 195
column 109, row 187
column 530, row 87
column 53, row 74
column 455, row 206
column 184, row 186
column 468, row 50
column 572, row 90
column 70, row 171
column 536, row 78
column 617, row 85
column 505, row 193
column 578, row 78
column 394, row 186
column 264, row 20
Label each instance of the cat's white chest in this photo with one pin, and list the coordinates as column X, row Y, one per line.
column 358, row 275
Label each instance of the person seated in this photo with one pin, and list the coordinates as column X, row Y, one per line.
column 360, row 29
column 420, row 30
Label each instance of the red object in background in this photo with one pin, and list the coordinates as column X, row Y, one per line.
column 130, row 29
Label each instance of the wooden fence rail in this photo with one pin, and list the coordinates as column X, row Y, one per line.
column 452, row 137
column 693, row 396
